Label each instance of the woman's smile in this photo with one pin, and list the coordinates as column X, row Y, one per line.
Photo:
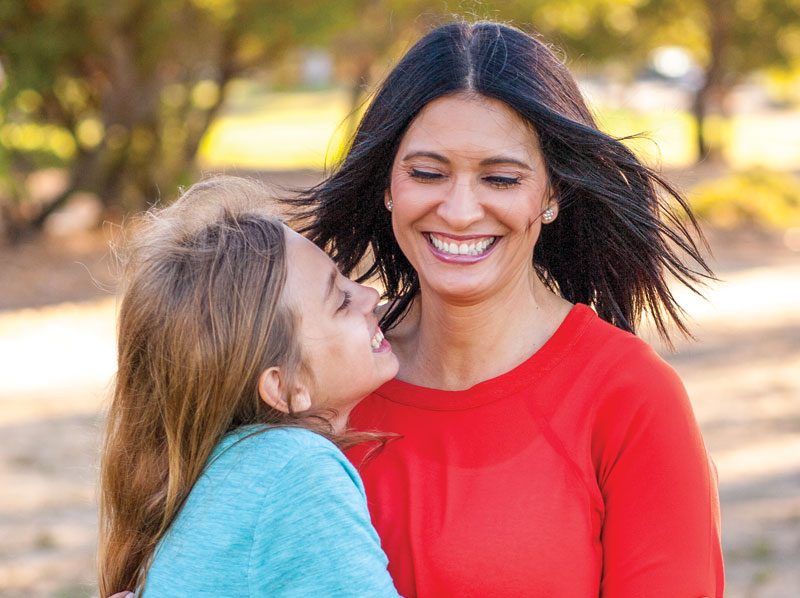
column 464, row 249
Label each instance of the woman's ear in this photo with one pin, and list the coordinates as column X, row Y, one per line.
column 550, row 212
column 552, row 204
column 272, row 390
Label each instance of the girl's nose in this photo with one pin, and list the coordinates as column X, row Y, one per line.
column 370, row 299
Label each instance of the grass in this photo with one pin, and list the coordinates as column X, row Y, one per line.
column 278, row 131
column 666, row 136
column 761, row 549
column 83, row 591
column 305, row 129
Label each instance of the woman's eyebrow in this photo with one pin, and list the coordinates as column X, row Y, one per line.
column 434, row 155
column 504, row 160
column 329, row 287
column 487, row 162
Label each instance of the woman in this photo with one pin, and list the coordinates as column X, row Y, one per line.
column 545, row 451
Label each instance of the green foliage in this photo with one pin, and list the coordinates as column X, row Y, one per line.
column 756, row 198
column 745, row 30
column 122, row 92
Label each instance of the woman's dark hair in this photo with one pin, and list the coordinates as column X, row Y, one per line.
column 621, row 227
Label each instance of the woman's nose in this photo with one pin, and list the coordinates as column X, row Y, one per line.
column 461, row 207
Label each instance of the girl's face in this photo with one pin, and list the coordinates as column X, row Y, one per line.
column 342, row 346
column 468, row 188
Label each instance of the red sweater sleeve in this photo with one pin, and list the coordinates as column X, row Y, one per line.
column 661, row 532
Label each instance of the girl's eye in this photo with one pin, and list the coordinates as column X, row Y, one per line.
column 501, row 182
column 346, row 302
column 425, row 175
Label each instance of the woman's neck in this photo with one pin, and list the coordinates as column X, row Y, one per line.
column 454, row 345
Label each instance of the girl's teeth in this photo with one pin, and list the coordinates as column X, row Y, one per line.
column 463, row 249
column 377, row 339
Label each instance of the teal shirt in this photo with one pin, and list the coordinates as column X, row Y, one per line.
column 281, row 513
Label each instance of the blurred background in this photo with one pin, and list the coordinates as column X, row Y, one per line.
column 108, row 107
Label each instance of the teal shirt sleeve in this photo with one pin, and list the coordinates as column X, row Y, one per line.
column 278, row 514
column 314, row 537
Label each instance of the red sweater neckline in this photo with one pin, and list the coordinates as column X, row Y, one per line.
column 488, row 391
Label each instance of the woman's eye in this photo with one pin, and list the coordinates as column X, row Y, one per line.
column 346, row 302
column 502, row 182
column 425, row 175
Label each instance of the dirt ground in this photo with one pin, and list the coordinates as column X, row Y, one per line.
column 57, row 355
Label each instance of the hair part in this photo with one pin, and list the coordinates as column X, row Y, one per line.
column 622, row 230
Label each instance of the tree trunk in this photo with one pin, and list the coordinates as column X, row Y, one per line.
column 360, row 83
column 709, row 97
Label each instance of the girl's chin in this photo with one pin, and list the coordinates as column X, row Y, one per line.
column 392, row 367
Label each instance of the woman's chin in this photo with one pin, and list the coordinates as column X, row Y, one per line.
column 459, row 290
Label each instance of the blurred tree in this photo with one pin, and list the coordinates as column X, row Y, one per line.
column 380, row 32
column 730, row 38
column 383, row 30
column 122, row 92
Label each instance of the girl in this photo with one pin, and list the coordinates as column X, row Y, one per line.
column 241, row 352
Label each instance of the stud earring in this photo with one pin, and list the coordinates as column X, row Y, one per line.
column 389, row 204
column 548, row 215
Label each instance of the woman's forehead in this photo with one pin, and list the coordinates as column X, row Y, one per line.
column 469, row 126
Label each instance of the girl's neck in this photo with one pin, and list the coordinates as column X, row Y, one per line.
column 453, row 346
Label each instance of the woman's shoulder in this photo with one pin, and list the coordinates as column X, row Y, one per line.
column 623, row 350
column 626, row 372
column 635, row 389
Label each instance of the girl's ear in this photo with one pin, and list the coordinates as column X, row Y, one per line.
column 272, row 390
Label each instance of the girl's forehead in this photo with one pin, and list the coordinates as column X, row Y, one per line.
column 309, row 267
column 295, row 242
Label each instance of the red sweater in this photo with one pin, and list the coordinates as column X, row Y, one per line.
column 579, row 473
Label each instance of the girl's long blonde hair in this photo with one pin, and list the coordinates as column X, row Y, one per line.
column 200, row 318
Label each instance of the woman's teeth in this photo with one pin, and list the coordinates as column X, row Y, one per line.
column 377, row 340
column 471, row 248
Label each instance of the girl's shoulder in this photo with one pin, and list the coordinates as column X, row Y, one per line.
column 285, row 439
column 254, row 468
column 257, row 450
column 269, row 498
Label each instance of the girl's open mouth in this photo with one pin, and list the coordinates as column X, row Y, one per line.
column 379, row 343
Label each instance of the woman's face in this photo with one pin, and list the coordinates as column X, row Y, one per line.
column 468, row 188
column 343, row 348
